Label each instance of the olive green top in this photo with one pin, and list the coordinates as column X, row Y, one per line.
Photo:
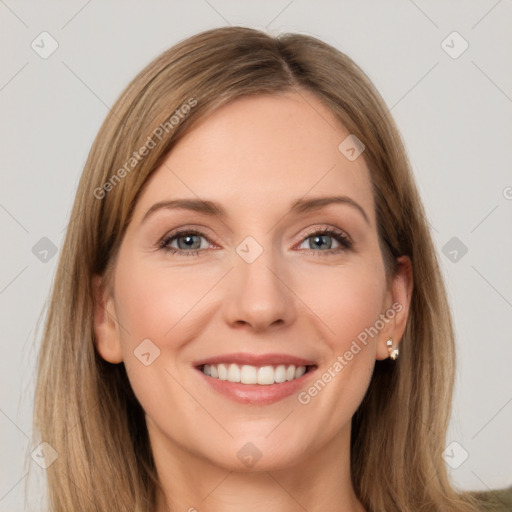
column 498, row 500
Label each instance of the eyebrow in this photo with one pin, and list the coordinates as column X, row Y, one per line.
column 215, row 209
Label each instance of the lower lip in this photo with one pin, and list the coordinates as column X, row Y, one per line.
column 257, row 393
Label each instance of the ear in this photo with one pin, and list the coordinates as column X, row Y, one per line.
column 398, row 301
column 107, row 339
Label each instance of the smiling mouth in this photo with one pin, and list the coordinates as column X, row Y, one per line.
column 262, row 375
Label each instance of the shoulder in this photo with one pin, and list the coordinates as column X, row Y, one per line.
column 497, row 500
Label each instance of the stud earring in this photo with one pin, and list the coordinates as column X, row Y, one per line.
column 393, row 353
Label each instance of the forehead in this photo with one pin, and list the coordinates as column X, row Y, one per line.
column 266, row 150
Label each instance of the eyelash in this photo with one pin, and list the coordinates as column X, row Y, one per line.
column 345, row 242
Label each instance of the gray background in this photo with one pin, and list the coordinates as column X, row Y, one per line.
column 455, row 115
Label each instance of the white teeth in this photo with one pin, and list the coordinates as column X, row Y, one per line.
column 266, row 375
column 248, row 375
column 300, row 371
column 223, row 371
column 263, row 375
column 280, row 374
column 233, row 373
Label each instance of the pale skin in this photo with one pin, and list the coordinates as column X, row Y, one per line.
column 254, row 157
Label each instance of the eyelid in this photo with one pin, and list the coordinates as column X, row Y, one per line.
column 326, row 228
column 192, row 229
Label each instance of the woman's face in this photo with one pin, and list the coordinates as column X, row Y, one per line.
column 253, row 248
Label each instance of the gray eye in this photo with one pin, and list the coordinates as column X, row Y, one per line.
column 190, row 241
column 319, row 241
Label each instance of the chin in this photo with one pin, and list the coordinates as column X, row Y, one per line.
column 258, row 454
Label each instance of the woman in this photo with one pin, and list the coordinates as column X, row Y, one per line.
column 248, row 313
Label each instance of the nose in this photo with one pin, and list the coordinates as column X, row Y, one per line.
column 258, row 295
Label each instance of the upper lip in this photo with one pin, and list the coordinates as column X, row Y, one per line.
column 256, row 360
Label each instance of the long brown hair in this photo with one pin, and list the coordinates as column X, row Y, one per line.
column 85, row 408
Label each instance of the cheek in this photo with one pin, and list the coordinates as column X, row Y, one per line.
column 164, row 305
column 153, row 306
column 346, row 299
column 153, row 301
